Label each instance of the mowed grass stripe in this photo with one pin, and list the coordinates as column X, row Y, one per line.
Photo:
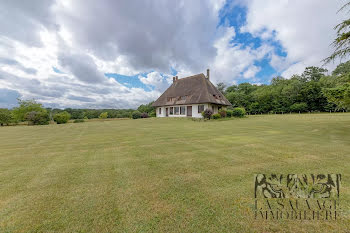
column 163, row 175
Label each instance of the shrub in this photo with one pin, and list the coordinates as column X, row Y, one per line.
column 86, row 118
column 37, row 118
column 78, row 121
column 238, row 112
column 152, row 114
column 229, row 113
column 223, row 113
column 144, row 115
column 62, row 117
column 216, row 116
column 103, row 115
column 136, row 115
column 5, row 117
column 298, row 107
column 207, row 113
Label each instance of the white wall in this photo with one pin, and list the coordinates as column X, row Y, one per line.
column 194, row 111
column 162, row 112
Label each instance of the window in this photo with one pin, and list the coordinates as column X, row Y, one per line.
column 200, row 108
column 160, row 111
column 176, row 110
column 182, row 110
column 171, row 110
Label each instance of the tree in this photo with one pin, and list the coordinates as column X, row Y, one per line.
column 343, row 68
column 136, row 115
column 103, row 115
column 298, row 107
column 339, row 95
column 342, row 41
column 26, row 106
column 313, row 73
column 62, row 117
column 221, row 87
column 37, row 118
column 147, row 108
column 5, row 116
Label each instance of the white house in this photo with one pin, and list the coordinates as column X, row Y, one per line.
column 189, row 97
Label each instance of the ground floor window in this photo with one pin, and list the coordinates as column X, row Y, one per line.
column 177, row 110
column 171, row 110
column 160, row 111
column 182, row 110
column 200, row 108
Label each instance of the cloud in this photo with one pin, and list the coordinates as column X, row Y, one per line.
column 303, row 28
column 23, row 20
column 8, row 98
column 161, row 35
column 87, row 39
column 82, row 66
column 233, row 59
column 12, row 62
column 156, row 80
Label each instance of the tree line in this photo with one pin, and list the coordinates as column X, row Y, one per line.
column 312, row 91
column 34, row 113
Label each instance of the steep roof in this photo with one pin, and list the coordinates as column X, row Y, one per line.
column 195, row 89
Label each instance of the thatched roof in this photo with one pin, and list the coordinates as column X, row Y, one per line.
column 195, row 89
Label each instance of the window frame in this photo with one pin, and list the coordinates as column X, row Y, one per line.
column 171, row 111
column 198, row 108
column 178, row 111
column 184, row 110
column 160, row 111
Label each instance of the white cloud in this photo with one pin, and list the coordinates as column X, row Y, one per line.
column 232, row 59
column 251, row 72
column 155, row 79
column 304, row 29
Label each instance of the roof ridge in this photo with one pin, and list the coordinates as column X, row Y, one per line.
column 192, row 76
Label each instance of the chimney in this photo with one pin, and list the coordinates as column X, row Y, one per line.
column 177, row 78
column 208, row 74
column 173, row 79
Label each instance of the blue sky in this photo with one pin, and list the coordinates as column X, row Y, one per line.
column 67, row 54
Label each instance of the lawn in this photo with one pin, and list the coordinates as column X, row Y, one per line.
column 164, row 175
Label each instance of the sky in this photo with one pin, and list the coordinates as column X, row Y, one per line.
column 121, row 53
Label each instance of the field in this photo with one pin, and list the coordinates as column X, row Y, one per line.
column 164, row 175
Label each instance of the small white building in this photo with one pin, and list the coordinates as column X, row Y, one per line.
column 189, row 97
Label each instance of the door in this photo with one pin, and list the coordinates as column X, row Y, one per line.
column 189, row 111
column 166, row 112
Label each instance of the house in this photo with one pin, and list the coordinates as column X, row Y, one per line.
column 189, row 97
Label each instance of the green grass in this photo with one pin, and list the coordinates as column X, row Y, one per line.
column 163, row 175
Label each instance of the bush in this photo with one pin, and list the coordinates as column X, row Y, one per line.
column 5, row 117
column 37, row 118
column 136, row 115
column 103, row 115
column 229, row 113
column 298, row 107
column 62, row 117
column 152, row 114
column 216, row 116
column 78, row 121
column 238, row 112
column 223, row 113
column 144, row 115
column 207, row 113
